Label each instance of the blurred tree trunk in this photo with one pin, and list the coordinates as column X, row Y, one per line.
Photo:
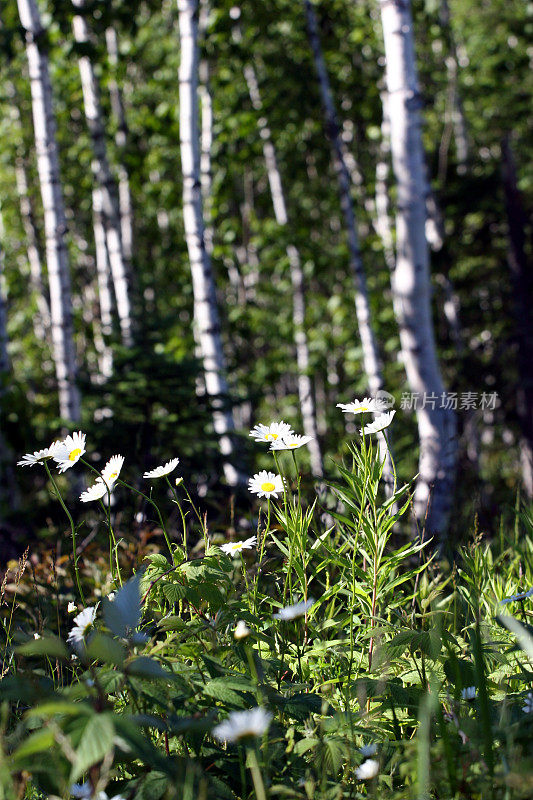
column 411, row 279
column 4, row 357
column 371, row 359
column 54, row 213
column 104, row 289
column 206, row 313
column 305, row 385
column 383, row 220
column 103, row 179
column 41, row 322
column 522, row 284
column 124, row 192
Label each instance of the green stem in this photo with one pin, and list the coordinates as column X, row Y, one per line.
column 183, row 520
column 72, row 528
column 257, row 778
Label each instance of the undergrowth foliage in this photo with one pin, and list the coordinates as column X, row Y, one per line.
column 327, row 656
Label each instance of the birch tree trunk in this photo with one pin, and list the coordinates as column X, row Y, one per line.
column 103, row 179
column 305, row 385
column 205, row 302
column 411, row 279
column 383, row 220
column 371, row 359
column 54, row 213
column 42, row 322
column 124, row 192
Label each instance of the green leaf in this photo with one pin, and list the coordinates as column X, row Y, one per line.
column 96, row 741
column 174, row 592
column 145, row 667
column 39, row 742
column 122, row 615
column 106, row 649
column 51, row 646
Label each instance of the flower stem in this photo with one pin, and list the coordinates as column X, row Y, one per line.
column 72, row 528
column 257, row 778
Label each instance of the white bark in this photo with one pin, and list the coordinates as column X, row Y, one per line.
column 42, row 322
column 205, row 302
column 371, row 360
column 383, row 220
column 124, row 192
column 103, row 179
column 54, row 213
column 305, row 385
column 411, row 280
column 104, row 290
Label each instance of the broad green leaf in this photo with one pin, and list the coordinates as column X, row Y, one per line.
column 96, row 742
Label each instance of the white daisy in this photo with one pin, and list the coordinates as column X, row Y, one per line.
column 243, row 724
column 71, row 608
column 290, row 442
column 295, row 611
column 470, row 693
column 94, row 492
column 36, row 635
column 359, row 406
column 231, row 548
column 368, row 750
column 40, row 456
column 111, row 471
column 269, row 433
column 527, row 708
column 265, row 484
column 368, row 770
column 82, row 624
column 379, row 424
column 241, row 630
column 159, row 472
column 70, row 450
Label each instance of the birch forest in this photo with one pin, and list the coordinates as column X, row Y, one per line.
column 228, row 231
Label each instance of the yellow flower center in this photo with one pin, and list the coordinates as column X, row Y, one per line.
column 267, row 487
column 74, row 454
column 293, row 444
column 113, row 475
column 363, row 408
column 271, row 436
column 236, row 546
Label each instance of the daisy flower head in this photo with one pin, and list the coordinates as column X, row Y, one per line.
column 241, row 630
column 166, row 469
column 364, row 406
column 111, row 471
column 469, row 693
column 527, row 708
column 232, row 548
column 94, row 492
column 295, row 611
column 290, row 442
column 379, row 424
column 368, row 770
column 71, row 608
column 69, row 451
column 40, row 456
column 272, row 432
column 243, row 725
column 265, row 484
column 83, row 622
